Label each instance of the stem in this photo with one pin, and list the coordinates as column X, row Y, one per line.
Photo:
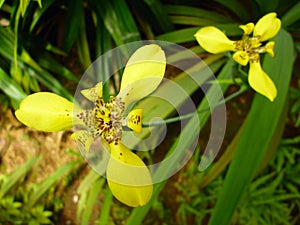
column 189, row 115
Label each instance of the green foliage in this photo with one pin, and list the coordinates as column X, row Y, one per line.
column 31, row 203
column 275, row 190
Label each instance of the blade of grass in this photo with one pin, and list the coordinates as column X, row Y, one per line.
column 72, row 24
column 10, row 87
column 16, row 175
column 108, row 197
column 83, row 45
column 40, row 12
column 118, row 20
column 191, row 20
column 236, row 7
column 26, row 62
column 161, row 15
column 1, row 3
column 91, row 201
column 265, row 7
column 179, row 36
column 46, row 184
column 42, row 75
column 46, row 61
column 126, row 17
column 260, row 126
column 197, row 12
column 83, row 191
column 187, row 34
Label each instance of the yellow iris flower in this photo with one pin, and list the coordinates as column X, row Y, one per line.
column 127, row 175
column 247, row 50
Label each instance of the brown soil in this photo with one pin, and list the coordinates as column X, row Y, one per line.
column 18, row 143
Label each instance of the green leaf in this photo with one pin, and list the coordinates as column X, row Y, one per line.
column 84, row 189
column 266, row 7
column 40, row 12
column 161, row 15
column 223, row 161
column 83, row 46
column 118, row 20
column 40, row 3
column 74, row 17
column 1, row 3
column 10, row 87
column 291, row 16
column 105, row 211
column 197, row 12
column 187, row 34
column 236, row 7
column 179, row 36
column 24, row 4
column 260, row 126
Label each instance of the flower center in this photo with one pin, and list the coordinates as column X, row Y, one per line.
column 253, row 47
column 108, row 119
column 105, row 120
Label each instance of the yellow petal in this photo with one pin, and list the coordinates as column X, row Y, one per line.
column 134, row 120
column 241, row 57
column 93, row 93
column 128, row 177
column 269, row 48
column 46, row 111
column 143, row 73
column 261, row 82
column 213, row 40
column 83, row 138
column 248, row 28
column 267, row 27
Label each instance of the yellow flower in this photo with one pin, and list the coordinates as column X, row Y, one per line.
column 247, row 50
column 128, row 177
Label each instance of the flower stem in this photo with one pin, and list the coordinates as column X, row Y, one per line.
column 189, row 115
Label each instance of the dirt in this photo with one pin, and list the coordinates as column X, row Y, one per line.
column 18, row 143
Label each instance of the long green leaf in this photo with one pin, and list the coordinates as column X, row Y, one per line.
column 187, row 134
column 91, row 201
column 108, row 199
column 197, row 12
column 259, row 128
column 1, row 3
column 83, row 46
column 266, row 7
column 160, row 14
column 74, row 17
column 118, row 20
column 291, row 16
column 10, row 87
column 236, row 7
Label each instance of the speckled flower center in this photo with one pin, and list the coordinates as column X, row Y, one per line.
column 105, row 120
column 108, row 119
column 253, row 47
